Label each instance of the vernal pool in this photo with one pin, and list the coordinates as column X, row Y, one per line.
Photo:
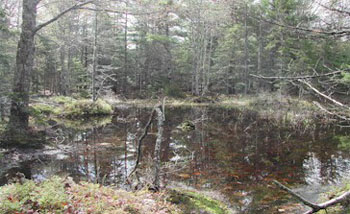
column 236, row 153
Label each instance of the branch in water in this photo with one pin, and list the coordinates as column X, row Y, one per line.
column 315, row 207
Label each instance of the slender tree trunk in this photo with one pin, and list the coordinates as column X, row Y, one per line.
column 157, row 148
column 63, row 73
column 94, row 60
column 19, row 118
column 125, row 78
column 260, row 49
column 246, row 54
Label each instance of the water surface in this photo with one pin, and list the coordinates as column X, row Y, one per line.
column 236, row 153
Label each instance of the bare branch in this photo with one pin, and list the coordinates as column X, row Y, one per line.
column 323, row 95
column 330, row 112
column 336, row 10
column 311, row 30
column 77, row 6
column 139, row 141
column 120, row 11
column 315, row 207
column 298, row 77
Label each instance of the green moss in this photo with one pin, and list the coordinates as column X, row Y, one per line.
column 62, row 99
column 192, row 202
column 39, row 108
column 344, row 142
column 83, row 108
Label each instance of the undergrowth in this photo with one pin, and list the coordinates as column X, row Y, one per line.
column 63, row 196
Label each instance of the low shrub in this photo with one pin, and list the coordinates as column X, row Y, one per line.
column 59, row 196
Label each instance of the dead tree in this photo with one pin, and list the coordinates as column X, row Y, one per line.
column 159, row 110
column 157, row 148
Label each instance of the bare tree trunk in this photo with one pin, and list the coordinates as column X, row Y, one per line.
column 125, row 78
column 17, row 129
column 63, row 73
column 260, row 48
column 157, row 148
column 246, row 54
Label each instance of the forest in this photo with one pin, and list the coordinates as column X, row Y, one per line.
column 174, row 106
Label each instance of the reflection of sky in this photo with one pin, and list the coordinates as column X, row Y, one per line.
column 336, row 170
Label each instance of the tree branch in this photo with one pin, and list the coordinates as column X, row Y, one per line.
column 77, row 6
column 336, row 10
column 120, row 11
column 315, row 207
column 139, row 141
column 297, row 196
column 323, row 95
column 331, row 113
column 299, row 77
column 311, row 30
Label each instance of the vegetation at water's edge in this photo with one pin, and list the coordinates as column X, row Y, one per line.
column 70, row 108
column 58, row 195
column 335, row 192
column 192, row 202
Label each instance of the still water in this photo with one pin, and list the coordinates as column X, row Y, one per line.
column 236, row 153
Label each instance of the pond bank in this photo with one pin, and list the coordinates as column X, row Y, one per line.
column 62, row 195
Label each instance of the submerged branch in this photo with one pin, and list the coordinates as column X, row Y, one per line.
column 139, row 141
column 315, row 207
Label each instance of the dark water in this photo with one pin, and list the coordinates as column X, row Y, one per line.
column 232, row 152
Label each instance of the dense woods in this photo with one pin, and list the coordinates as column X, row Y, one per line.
column 143, row 48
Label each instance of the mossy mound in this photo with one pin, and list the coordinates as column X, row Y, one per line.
column 84, row 108
column 68, row 107
column 59, row 196
column 192, row 202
